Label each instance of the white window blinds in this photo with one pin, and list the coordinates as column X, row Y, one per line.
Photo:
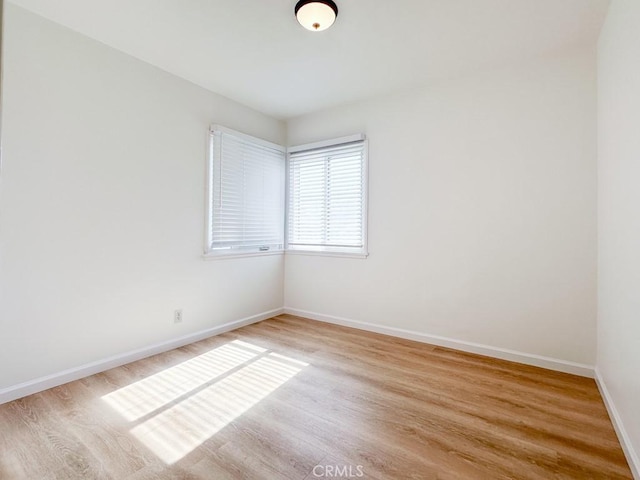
column 246, row 193
column 327, row 198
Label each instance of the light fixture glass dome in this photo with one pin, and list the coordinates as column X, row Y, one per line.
column 316, row 15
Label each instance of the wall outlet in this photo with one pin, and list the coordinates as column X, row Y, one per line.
column 177, row 316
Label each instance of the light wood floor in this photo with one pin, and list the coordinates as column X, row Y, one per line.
column 278, row 398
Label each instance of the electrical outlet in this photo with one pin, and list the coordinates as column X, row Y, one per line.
column 177, row 316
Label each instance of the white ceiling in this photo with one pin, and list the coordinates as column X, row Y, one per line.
column 254, row 51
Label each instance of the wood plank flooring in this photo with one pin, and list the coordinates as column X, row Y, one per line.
column 290, row 398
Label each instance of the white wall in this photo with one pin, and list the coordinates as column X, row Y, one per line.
column 619, row 215
column 102, row 205
column 482, row 222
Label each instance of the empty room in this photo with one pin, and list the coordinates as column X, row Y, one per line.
column 320, row 239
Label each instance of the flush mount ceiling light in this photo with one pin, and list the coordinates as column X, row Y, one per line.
column 316, row 15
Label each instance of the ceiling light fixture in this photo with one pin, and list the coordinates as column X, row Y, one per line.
column 316, row 15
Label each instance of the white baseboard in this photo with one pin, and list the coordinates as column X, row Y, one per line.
column 625, row 441
column 43, row 383
column 487, row 350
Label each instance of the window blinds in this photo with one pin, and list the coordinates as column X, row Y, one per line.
column 327, row 198
column 246, row 194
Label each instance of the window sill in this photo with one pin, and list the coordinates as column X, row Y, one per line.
column 359, row 256
column 229, row 256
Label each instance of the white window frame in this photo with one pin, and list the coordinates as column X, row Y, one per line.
column 216, row 254
column 362, row 253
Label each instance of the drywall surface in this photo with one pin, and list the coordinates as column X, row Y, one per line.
column 618, row 214
column 482, row 211
column 102, row 199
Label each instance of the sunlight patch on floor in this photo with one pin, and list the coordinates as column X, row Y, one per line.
column 180, row 408
column 141, row 398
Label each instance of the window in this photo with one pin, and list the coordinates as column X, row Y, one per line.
column 327, row 197
column 246, row 194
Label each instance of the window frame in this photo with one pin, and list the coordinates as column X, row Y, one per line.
column 217, row 254
column 330, row 251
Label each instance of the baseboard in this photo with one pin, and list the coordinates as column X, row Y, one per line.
column 625, row 441
column 495, row 352
column 43, row 383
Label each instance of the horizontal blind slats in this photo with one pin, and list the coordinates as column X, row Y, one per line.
column 247, row 196
column 326, row 195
